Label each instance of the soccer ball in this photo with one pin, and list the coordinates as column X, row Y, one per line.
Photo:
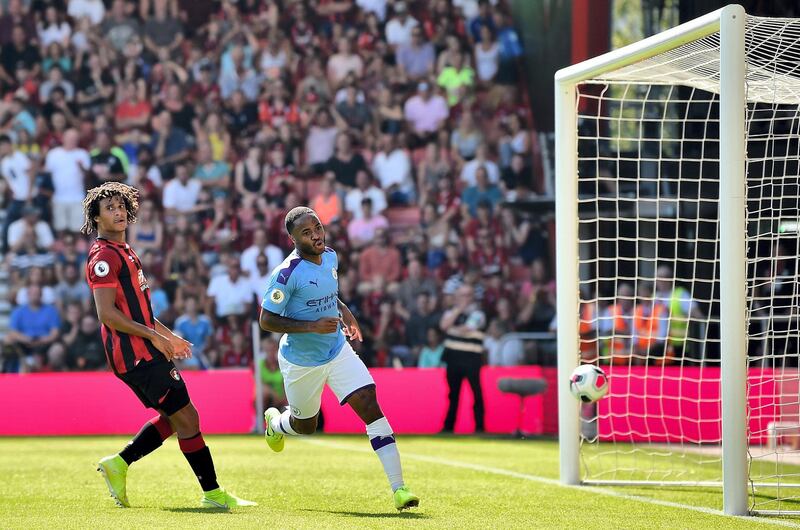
column 588, row 383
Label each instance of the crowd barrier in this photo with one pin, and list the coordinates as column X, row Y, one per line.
column 414, row 400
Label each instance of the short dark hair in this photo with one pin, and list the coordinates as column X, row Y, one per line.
column 91, row 203
column 294, row 215
column 5, row 139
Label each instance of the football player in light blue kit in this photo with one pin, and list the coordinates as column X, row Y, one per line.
column 302, row 301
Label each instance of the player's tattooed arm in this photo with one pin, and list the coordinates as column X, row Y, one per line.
column 112, row 317
column 270, row 321
column 349, row 323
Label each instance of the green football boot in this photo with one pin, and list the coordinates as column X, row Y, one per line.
column 221, row 499
column 115, row 472
column 404, row 499
column 274, row 439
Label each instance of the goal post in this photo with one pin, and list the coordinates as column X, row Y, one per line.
column 677, row 207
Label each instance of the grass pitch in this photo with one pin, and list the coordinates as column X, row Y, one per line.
column 336, row 482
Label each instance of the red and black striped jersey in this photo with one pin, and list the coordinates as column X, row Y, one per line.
column 116, row 265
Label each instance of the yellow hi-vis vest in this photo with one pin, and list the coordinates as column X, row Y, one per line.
column 678, row 320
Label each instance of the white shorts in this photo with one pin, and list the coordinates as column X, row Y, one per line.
column 345, row 374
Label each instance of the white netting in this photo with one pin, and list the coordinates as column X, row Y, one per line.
column 648, row 142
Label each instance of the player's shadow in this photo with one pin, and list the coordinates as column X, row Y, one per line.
column 196, row 510
column 372, row 515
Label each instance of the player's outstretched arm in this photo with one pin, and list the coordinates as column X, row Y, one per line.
column 112, row 317
column 275, row 323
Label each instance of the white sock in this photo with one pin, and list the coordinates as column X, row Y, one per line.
column 382, row 439
column 282, row 424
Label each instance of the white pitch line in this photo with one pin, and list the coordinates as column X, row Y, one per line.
column 554, row 482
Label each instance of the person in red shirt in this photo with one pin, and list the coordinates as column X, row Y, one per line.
column 140, row 349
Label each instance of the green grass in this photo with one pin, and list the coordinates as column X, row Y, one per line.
column 330, row 482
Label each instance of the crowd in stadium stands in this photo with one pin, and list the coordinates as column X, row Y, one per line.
column 401, row 123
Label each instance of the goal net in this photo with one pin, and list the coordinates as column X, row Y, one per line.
column 647, row 212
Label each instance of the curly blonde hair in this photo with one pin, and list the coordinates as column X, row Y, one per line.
column 91, row 204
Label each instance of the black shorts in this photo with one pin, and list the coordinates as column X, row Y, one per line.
column 158, row 385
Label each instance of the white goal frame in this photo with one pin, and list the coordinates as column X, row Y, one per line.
column 730, row 23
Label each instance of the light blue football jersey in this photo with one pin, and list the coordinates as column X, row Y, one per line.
column 302, row 290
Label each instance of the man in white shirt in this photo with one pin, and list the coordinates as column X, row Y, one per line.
column 30, row 231
column 17, row 170
column 181, row 193
column 364, row 189
column 398, row 29
column 229, row 294
column 68, row 165
column 259, row 282
column 480, row 160
column 392, row 167
column 260, row 247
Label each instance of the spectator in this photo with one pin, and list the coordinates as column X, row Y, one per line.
column 327, row 203
column 212, row 174
column 515, row 141
column 30, row 240
column 346, row 163
column 392, row 167
column 131, row 112
column 482, row 20
column 271, row 377
column 195, row 327
column 241, row 77
column 463, row 352
column 414, row 284
column 16, row 15
column 466, row 139
column 108, row 162
column 181, row 193
column 362, row 231
column 420, row 319
column 72, row 289
column 456, row 78
column 55, row 79
column 147, row 233
column 18, row 172
column 162, row 34
column 93, row 10
column 517, row 179
column 118, row 28
column 431, row 354
column 502, row 352
column 425, row 113
column 229, row 294
column 354, row 113
column 481, row 192
column 20, row 53
column 380, row 260
column 260, row 247
column 170, row 144
column 32, row 329
column 400, row 26
column 68, row 165
column 416, row 58
column 237, row 354
column 487, row 55
column 321, row 141
column 250, row 173
column 85, row 349
column 343, row 63
column 471, row 168
column 364, row 189
column 240, row 115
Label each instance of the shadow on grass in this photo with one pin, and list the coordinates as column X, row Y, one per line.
column 371, row 515
column 196, row 510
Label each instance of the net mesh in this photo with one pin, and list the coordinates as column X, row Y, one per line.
column 648, row 161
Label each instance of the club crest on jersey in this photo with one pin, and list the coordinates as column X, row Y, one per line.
column 334, row 273
column 174, row 374
column 276, row 296
column 142, row 281
column 101, row 268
